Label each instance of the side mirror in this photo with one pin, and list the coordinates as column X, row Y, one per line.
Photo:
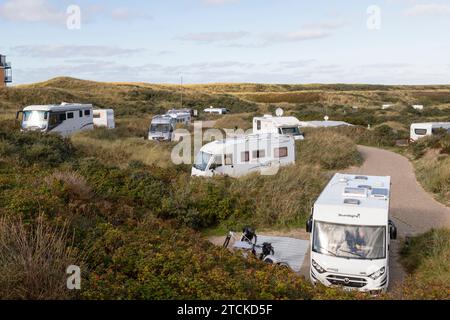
column 309, row 224
column 392, row 230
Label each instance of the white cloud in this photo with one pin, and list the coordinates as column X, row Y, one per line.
column 218, row 2
column 65, row 51
column 125, row 14
column 431, row 9
column 210, row 37
column 31, row 11
column 332, row 24
column 296, row 36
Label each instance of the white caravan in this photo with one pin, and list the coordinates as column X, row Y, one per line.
column 351, row 233
column 278, row 125
column 104, row 118
column 64, row 119
column 162, row 128
column 421, row 130
column 213, row 110
column 239, row 156
column 192, row 112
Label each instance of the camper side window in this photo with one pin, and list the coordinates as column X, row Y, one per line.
column 259, row 154
column 281, row 152
column 87, row 112
column 217, row 163
column 421, row 132
column 245, row 156
column 81, row 114
column 56, row 119
column 69, row 115
column 228, row 159
column 258, row 125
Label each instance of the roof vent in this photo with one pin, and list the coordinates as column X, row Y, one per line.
column 352, row 202
column 364, row 186
column 361, row 178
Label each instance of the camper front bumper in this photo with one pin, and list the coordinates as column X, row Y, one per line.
column 351, row 282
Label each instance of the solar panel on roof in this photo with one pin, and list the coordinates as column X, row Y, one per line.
column 380, row 192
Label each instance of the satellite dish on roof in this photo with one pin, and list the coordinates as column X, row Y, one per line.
column 279, row 112
column 327, row 118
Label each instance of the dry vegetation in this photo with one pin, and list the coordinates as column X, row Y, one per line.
column 136, row 217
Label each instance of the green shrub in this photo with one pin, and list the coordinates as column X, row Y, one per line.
column 329, row 149
column 32, row 148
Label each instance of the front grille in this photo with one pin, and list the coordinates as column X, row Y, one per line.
column 352, row 282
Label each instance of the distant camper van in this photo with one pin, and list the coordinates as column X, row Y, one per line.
column 278, row 125
column 220, row 111
column 421, row 130
column 64, row 119
column 162, row 128
column 239, row 156
column 104, row 118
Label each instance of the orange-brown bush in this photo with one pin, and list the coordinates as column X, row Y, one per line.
column 34, row 259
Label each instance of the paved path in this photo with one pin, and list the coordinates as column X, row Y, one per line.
column 413, row 210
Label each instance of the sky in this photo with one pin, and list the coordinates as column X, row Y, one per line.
column 209, row 41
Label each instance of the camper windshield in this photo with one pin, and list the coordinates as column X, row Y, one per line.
column 35, row 119
column 202, row 160
column 349, row 241
column 164, row 128
column 291, row 131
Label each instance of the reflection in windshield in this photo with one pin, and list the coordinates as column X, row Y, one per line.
column 291, row 131
column 202, row 160
column 347, row 241
column 34, row 119
column 164, row 128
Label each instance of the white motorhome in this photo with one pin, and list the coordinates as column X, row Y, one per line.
column 239, row 156
column 278, row 125
column 104, row 118
column 181, row 116
column 421, row 130
column 351, row 233
column 64, row 119
column 192, row 112
column 213, row 110
column 162, row 128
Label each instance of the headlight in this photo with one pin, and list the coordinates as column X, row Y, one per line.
column 318, row 267
column 378, row 274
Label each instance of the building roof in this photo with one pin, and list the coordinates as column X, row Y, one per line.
column 324, row 124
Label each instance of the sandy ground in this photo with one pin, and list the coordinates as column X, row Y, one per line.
column 413, row 210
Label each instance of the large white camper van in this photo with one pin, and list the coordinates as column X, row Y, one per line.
column 421, row 130
column 278, row 125
column 162, row 128
column 351, row 233
column 104, row 118
column 239, row 156
column 64, row 119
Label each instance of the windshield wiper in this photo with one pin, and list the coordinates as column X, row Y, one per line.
column 354, row 253
column 330, row 252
